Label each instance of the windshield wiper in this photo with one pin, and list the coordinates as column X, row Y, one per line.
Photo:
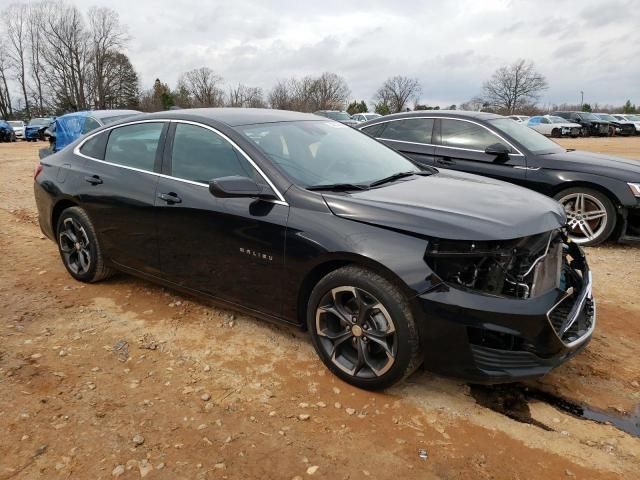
column 397, row 176
column 338, row 187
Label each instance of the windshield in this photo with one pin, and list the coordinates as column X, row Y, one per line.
column 370, row 116
column 338, row 115
column 527, row 137
column 16, row 124
column 326, row 153
column 40, row 121
column 607, row 117
column 587, row 116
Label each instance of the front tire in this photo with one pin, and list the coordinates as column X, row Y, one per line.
column 79, row 247
column 362, row 328
column 591, row 216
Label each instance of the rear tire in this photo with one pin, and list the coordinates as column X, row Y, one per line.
column 79, row 247
column 591, row 215
column 362, row 328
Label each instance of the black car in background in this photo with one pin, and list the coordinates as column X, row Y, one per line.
column 591, row 124
column 303, row 220
column 600, row 193
column 620, row 128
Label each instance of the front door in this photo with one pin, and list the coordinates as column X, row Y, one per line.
column 460, row 145
column 231, row 248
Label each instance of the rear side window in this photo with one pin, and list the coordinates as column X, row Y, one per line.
column 374, row 130
column 201, row 155
column 90, row 124
column 134, row 145
column 461, row 134
column 95, row 146
column 417, row 130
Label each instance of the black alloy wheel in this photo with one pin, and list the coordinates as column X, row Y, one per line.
column 362, row 328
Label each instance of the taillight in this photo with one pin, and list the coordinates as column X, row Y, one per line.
column 37, row 170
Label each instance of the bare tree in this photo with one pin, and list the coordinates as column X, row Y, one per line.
column 329, row 92
column 514, row 86
column 15, row 21
column 120, row 83
column 204, row 86
column 6, row 110
column 280, row 96
column 247, row 97
column 396, row 92
column 35, row 27
column 107, row 37
column 68, row 57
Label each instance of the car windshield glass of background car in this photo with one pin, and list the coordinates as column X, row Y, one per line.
column 326, row 153
column 528, row 138
column 338, row 116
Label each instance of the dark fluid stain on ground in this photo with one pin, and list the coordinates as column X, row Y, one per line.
column 513, row 401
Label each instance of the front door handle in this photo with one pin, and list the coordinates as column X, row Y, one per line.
column 93, row 179
column 445, row 161
column 170, row 197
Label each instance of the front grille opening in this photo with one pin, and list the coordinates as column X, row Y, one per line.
column 496, row 340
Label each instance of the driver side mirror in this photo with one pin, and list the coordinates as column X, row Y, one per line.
column 498, row 149
column 238, row 187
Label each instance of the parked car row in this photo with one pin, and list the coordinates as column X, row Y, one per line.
column 574, row 124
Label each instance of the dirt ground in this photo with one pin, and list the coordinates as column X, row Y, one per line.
column 126, row 379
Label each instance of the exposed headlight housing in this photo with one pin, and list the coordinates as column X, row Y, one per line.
column 520, row 268
column 635, row 189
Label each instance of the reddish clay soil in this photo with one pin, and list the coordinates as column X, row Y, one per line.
column 127, row 379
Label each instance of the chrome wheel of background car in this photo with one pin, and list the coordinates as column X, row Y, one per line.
column 356, row 331
column 586, row 216
column 74, row 245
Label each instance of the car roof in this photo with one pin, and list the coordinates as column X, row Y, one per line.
column 235, row 116
column 442, row 113
column 99, row 113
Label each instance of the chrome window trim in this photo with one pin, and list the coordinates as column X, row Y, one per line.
column 281, row 200
column 519, row 154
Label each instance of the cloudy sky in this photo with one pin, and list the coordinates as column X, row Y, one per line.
column 450, row 46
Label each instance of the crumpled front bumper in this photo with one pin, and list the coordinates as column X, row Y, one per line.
column 490, row 339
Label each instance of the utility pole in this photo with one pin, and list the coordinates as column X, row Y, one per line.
column 581, row 99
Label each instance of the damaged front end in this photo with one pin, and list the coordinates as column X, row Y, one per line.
column 519, row 307
column 520, row 268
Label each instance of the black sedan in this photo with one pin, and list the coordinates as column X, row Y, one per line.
column 600, row 193
column 303, row 220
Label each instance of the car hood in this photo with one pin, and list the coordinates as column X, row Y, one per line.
column 452, row 205
column 614, row 167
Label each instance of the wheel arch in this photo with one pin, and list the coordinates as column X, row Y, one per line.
column 334, row 262
column 60, row 207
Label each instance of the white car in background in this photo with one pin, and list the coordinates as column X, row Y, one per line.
column 628, row 118
column 363, row 117
column 520, row 118
column 553, row 126
column 18, row 128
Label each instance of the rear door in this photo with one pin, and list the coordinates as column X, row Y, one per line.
column 461, row 144
column 118, row 188
column 231, row 248
column 411, row 136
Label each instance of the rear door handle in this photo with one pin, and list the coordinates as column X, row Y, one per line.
column 93, row 179
column 170, row 197
column 445, row 161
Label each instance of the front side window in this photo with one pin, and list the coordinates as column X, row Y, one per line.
column 459, row 134
column 201, row 155
column 417, row 130
column 317, row 153
column 134, row 145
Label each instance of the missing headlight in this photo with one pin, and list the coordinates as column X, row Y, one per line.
column 520, row 268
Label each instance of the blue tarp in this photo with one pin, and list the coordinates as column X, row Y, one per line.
column 68, row 128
